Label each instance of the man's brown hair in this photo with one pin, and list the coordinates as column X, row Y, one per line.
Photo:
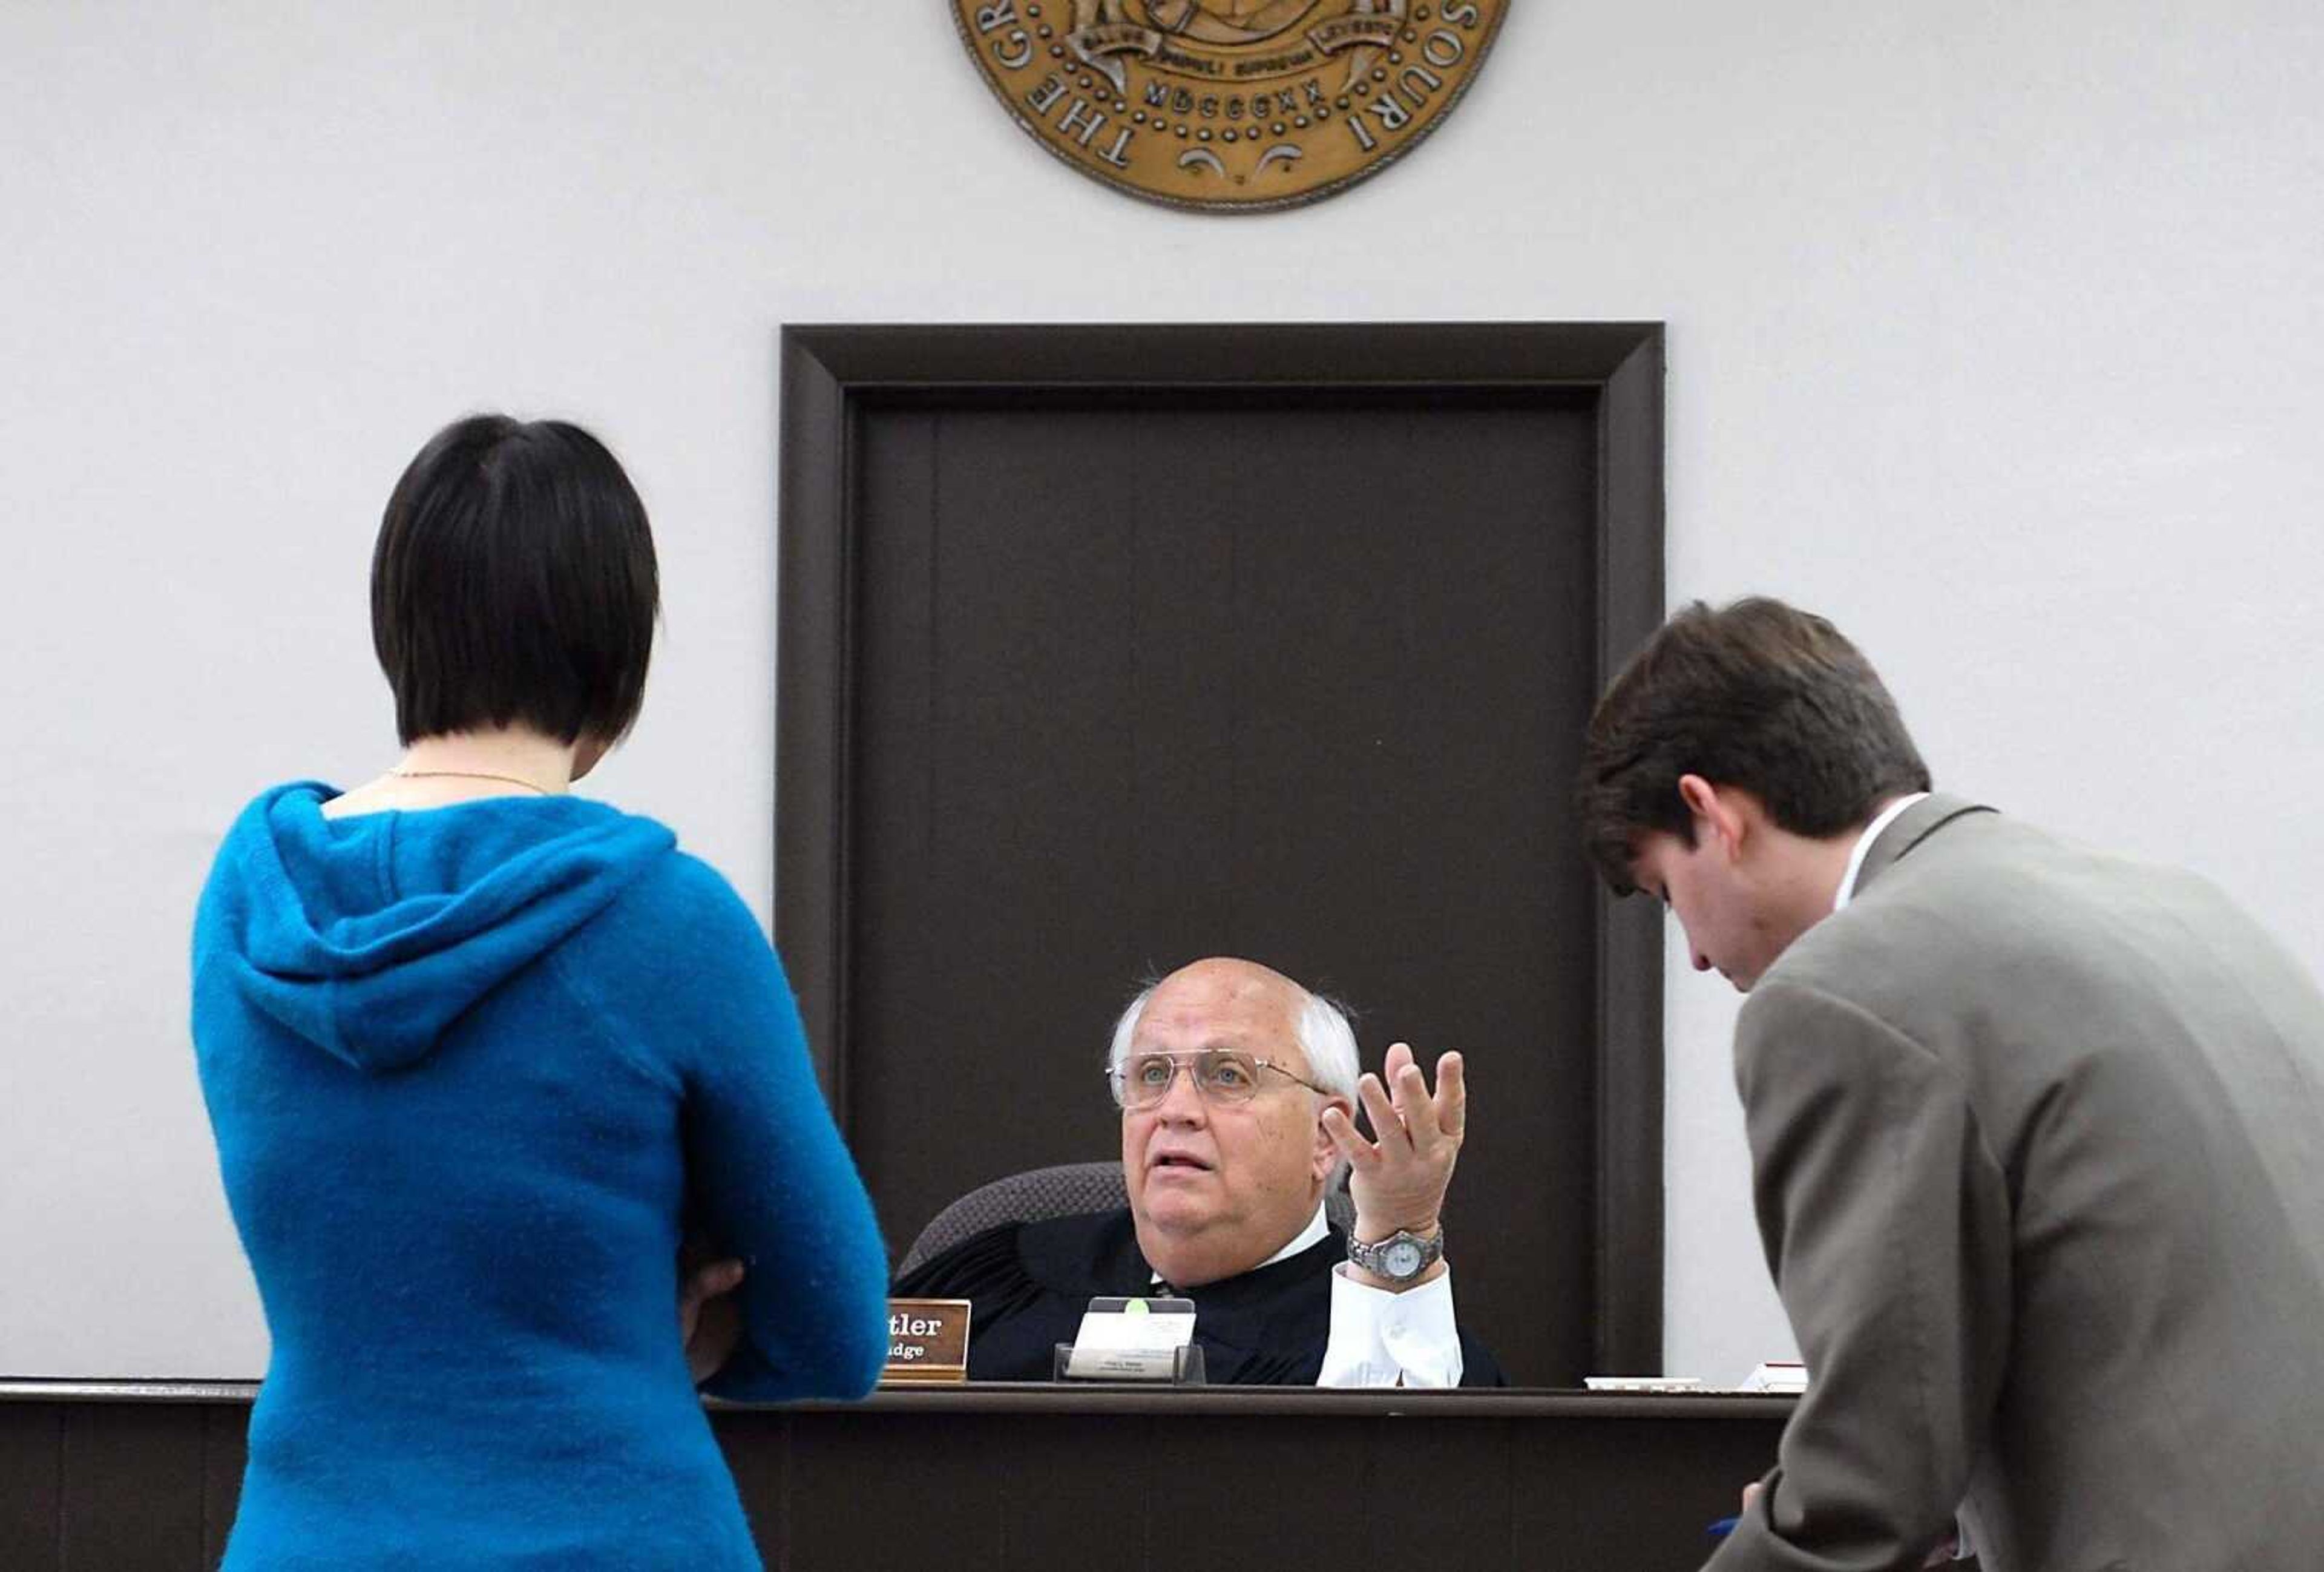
column 1756, row 695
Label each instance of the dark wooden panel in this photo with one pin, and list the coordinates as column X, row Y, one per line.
column 1420, row 620
column 225, row 1452
column 32, row 1476
column 1243, row 1492
column 1075, row 1491
column 885, row 1490
column 132, row 1488
column 1441, row 1495
column 758, row 1447
column 1188, row 892
column 1041, row 1478
column 1298, row 705
column 991, row 893
column 1629, row 1496
column 896, row 654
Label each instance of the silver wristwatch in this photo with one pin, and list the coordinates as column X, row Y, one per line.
column 1400, row 1257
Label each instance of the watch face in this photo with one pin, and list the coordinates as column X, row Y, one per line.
column 1402, row 1258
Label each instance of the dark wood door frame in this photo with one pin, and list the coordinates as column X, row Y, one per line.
column 832, row 375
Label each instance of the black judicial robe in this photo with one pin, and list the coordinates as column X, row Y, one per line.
column 1030, row 1283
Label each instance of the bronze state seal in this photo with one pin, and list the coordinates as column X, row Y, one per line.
column 1228, row 105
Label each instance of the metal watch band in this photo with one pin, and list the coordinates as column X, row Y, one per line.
column 1373, row 1257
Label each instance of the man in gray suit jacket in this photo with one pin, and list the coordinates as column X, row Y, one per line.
column 2037, row 1134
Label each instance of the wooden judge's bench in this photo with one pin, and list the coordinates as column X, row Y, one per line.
column 122, row 1476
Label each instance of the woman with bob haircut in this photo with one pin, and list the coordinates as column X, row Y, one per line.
column 473, row 1047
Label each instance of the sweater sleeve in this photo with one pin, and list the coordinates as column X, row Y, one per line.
column 1885, row 1219
column 767, row 1168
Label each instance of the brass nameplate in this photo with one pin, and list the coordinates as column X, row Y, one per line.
column 927, row 1340
column 1228, row 105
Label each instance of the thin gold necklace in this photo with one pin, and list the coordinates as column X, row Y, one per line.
column 469, row 775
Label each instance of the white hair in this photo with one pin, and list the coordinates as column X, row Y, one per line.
column 1325, row 1038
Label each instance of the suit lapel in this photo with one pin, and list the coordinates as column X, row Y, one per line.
column 1911, row 827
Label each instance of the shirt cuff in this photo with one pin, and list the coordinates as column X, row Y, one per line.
column 1381, row 1339
column 1964, row 1542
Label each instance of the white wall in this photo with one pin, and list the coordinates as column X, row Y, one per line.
column 1993, row 332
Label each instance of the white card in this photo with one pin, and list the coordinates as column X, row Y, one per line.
column 1130, row 1339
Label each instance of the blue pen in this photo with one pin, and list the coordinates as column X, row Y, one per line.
column 1721, row 1529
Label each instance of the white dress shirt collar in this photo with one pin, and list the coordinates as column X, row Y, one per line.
column 1882, row 820
column 1316, row 1228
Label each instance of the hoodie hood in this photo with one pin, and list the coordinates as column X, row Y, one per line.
column 369, row 935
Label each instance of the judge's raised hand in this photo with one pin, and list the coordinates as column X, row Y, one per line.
column 1398, row 1179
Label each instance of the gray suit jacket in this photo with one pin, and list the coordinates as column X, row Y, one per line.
column 2037, row 1137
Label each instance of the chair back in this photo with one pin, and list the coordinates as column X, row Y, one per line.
column 1065, row 1190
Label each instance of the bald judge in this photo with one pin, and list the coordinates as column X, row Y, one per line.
column 1238, row 1088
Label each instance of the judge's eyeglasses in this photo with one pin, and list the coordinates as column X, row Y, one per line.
column 1219, row 1076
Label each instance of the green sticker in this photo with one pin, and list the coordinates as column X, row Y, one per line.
column 1135, row 1307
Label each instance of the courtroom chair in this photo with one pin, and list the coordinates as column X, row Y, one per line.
column 1065, row 1190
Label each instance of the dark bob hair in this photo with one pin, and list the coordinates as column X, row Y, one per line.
column 1757, row 695
column 514, row 583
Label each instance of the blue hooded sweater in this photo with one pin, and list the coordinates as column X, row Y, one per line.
column 469, row 1068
